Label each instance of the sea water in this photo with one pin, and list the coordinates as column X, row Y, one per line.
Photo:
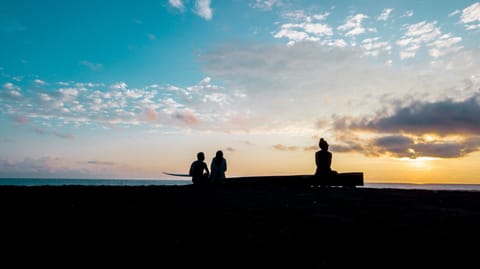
column 90, row 182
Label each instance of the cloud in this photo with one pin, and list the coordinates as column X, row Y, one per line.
column 453, row 13
column 20, row 119
column 186, row 117
column 203, row 105
column 95, row 162
column 150, row 115
column 400, row 146
column 177, row 4
column 373, row 46
column 203, row 9
column 385, row 14
column 427, row 34
column 442, row 129
column 471, row 16
column 39, row 82
column 282, row 147
column 265, row 4
column 64, row 135
column 353, row 25
column 92, row 66
column 288, row 85
column 443, row 118
column 408, row 13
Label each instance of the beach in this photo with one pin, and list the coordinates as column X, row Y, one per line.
column 240, row 225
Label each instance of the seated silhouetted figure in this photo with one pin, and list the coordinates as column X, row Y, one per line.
column 323, row 160
column 199, row 170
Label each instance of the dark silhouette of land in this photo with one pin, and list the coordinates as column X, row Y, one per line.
column 237, row 225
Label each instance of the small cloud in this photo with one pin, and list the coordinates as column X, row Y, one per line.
column 92, row 66
column 311, row 148
column 20, row 119
column 385, row 14
column 186, row 117
column 39, row 82
column 64, row 136
column 101, row 163
column 203, row 9
column 408, row 13
column 151, row 36
column 353, row 24
column 178, row 4
column 150, row 115
column 230, row 149
column 282, row 147
column 454, row 13
column 40, row 131
column 265, row 4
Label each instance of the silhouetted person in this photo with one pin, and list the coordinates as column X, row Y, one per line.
column 199, row 170
column 218, row 168
column 323, row 160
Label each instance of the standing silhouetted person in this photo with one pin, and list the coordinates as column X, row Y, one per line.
column 199, row 170
column 323, row 159
column 218, row 168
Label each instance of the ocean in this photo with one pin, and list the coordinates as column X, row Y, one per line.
column 90, row 182
column 187, row 181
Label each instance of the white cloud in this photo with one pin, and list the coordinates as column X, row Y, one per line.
column 444, row 45
column 471, row 14
column 353, row 24
column 203, row 9
column 453, row 13
column 306, row 81
column 39, row 82
column 419, row 35
column 472, row 26
column 408, row 13
column 265, row 4
column 177, row 4
column 321, row 17
column 199, row 105
column 306, row 27
column 92, row 66
column 385, row 14
column 373, row 46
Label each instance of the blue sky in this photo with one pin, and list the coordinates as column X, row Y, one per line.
column 108, row 88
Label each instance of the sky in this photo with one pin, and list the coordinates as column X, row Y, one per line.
column 131, row 89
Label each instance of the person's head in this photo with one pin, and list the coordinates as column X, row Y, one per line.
column 323, row 144
column 200, row 156
column 219, row 154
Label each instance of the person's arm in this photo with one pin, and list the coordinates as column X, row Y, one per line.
column 329, row 160
column 190, row 172
column 317, row 159
column 206, row 168
column 225, row 161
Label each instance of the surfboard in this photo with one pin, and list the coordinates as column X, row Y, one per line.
column 177, row 174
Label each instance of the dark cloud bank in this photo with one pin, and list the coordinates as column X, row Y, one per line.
column 454, row 124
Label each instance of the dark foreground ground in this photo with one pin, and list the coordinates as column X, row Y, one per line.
column 239, row 226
